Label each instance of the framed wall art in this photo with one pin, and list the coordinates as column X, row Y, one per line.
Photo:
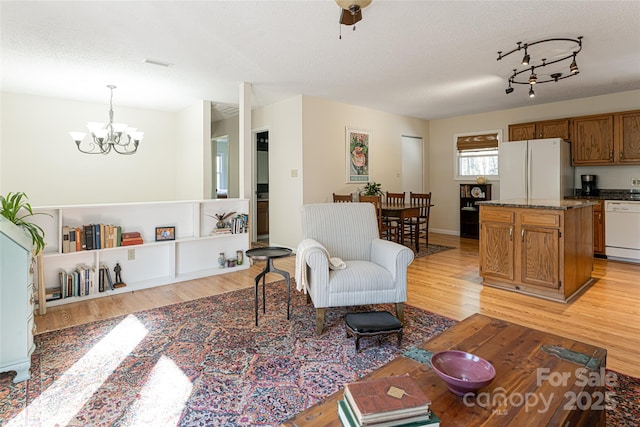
column 358, row 155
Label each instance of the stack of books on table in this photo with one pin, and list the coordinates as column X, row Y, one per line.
column 386, row 402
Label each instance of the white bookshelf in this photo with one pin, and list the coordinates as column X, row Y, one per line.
column 193, row 254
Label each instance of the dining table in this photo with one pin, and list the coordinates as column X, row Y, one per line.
column 404, row 211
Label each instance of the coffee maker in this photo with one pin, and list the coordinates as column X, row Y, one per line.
column 589, row 187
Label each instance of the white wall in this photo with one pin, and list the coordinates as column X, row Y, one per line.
column 325, row 153
column 284, row 122
column 194, row 136
column 39, row 157
column 444, row 216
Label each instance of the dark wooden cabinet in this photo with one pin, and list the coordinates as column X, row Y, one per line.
column 538, row 130
column 469, row 218
column 262, row 218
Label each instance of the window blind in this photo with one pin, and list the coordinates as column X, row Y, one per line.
column 477, row 142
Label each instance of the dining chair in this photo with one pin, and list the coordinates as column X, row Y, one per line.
column 342, row 198
column 395, row 199
column 422, row 221
column 389, row 230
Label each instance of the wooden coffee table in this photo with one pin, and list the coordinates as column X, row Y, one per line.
column 541, row 379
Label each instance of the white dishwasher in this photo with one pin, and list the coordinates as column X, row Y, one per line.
column 622, row 230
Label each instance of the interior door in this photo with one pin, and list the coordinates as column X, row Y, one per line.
column 412, row 164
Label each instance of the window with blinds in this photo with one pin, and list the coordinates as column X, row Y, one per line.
column 477, row 154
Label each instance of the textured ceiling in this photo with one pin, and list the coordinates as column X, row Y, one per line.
column 427, row 59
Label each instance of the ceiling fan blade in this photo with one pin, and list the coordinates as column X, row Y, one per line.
column 347, row 18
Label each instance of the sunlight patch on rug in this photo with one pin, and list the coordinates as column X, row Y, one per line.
column 162, row 398
column 60, row 402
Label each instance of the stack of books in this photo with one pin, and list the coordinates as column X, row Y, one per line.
column 131, row 238
column 386, row 402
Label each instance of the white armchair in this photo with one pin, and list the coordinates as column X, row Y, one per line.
column 375, row 270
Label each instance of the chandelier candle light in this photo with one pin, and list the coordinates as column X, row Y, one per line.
column 528, row 65
column 117, row 136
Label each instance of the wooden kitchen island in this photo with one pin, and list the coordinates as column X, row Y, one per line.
column 537, row 247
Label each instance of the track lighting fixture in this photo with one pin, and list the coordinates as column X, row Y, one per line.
column 532, row 65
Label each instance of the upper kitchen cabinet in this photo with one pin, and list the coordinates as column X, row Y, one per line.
column 592, row 142
column 606, row 139
column 539, row 130
column 627, row 150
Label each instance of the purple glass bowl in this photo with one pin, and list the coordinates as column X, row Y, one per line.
column 462, row 372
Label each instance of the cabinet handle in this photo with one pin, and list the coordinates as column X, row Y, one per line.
column 611, row 155
column 522, row 234
column 621, row 155
column 510, row 234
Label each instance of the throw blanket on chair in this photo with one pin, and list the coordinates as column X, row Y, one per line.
column 302, row 251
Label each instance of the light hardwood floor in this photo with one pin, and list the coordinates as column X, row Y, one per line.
column 447, row 283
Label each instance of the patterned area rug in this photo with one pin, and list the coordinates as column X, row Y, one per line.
column 432, row 249
column 205, row 363
column 200, row 363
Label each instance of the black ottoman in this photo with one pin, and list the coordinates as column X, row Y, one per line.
column 372, row 324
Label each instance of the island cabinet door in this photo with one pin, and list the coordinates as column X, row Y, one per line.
column 540, row 256
column 497, row 250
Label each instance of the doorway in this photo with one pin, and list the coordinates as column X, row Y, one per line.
column 220, row 167
column 412, row 164
column 262, row 187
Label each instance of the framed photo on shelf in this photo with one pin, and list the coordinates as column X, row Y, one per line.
column 357, row 155
column 165, row 233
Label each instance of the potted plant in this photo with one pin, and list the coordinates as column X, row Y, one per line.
column 372, row 189
column 17, row 210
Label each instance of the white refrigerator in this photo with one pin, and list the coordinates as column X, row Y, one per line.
column 535, row 169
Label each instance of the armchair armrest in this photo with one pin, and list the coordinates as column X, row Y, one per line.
column 391, row 255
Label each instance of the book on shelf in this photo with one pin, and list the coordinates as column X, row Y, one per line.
column 385, row 399
column 348, row 419
column 52, row 294
column 72, row 239
column 88, row 233
column 132, row 241
column 65, row 239
column 107, row 275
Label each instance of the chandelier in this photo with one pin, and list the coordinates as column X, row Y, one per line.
column 527, row 75
column 104, row 137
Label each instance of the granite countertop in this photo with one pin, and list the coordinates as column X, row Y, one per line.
column 539, row 203
column 607, row 194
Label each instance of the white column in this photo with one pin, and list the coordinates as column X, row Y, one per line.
column 244, row 140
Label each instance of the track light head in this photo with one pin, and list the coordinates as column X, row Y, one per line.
column 533, row 79
column 532, row 94
column 526, row 58
column 508, row 90
column 573, row 68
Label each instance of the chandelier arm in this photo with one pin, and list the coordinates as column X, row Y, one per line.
column 125, row 151
column 92, row 148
